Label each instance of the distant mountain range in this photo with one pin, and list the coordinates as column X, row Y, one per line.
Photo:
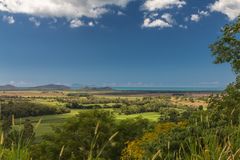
column 8, row 87
column 43, row 87
column 52, row 87
column 77, row 86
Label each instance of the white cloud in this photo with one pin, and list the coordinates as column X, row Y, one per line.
column 152, row 5
column 152, row 19
column 120, row 13
column 53, row 21
column 91, row 24
column 60, row 8
column 231, row 8
column 20, row 83
column 35, row 21
column 195, row 17
column 164, row 21
column 183, row 26
column 203, row 13
column 12, row 82
column 72, row 10
column 168, row 18
column 9, row 19
column 75, row 23
column 155, row 14
column 159, row 23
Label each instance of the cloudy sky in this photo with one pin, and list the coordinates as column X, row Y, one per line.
column 113, row 42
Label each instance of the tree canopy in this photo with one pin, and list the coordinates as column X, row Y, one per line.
column 227, row 48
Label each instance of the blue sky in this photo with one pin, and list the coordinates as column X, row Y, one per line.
column 113, row 42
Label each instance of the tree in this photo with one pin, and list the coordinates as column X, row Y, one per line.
column 226, row 107
column 6, row 125
column 227, row 48
column 28, row 130
column 173, row 116
column 77, row 136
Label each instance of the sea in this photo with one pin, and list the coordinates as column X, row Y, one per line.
column 170, row 89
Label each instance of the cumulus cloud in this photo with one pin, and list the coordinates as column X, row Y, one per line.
column 148, row 23
column 203, row 13
column 152, row 16
column 152, row 5
column 75, row 23
column 60, row 8
column 168, row 18
column 231, row 8
column 35, row 21
column 9, row 19
column 198, row 16
column 72, row 10
column 165, row 21
column 195, row 17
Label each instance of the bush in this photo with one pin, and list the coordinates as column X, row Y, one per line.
column 27, row 109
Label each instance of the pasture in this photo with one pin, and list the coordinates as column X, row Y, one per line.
column 47, row 122
column 99, row 98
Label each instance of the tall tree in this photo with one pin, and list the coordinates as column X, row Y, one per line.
column 226, row 108
column 227, row 48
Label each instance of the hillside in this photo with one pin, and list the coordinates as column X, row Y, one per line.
column 8, row 87
column 43, row 87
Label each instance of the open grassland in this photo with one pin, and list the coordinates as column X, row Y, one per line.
column 47, row 122
column 186, row 101
column 106, row 102
column 49, row 102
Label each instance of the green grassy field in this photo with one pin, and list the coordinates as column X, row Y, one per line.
column 48, row 121
column 152, row 116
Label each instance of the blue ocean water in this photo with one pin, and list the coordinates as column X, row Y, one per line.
column 165, row 89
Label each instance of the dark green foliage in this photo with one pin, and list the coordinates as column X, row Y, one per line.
column 27, row 109
column 146, row 105
column 76, row 137
column 129, row 130
column 227, row 47
column 173, row 115
column 6, row 124
column 15, row 135
column 75, row 105
column 28, row 129
column 77, row 134
column 225, row 108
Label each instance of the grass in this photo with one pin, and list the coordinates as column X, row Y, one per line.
column 54, row 120
column 49, row 102
column 152, row 116
column 48, row 121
